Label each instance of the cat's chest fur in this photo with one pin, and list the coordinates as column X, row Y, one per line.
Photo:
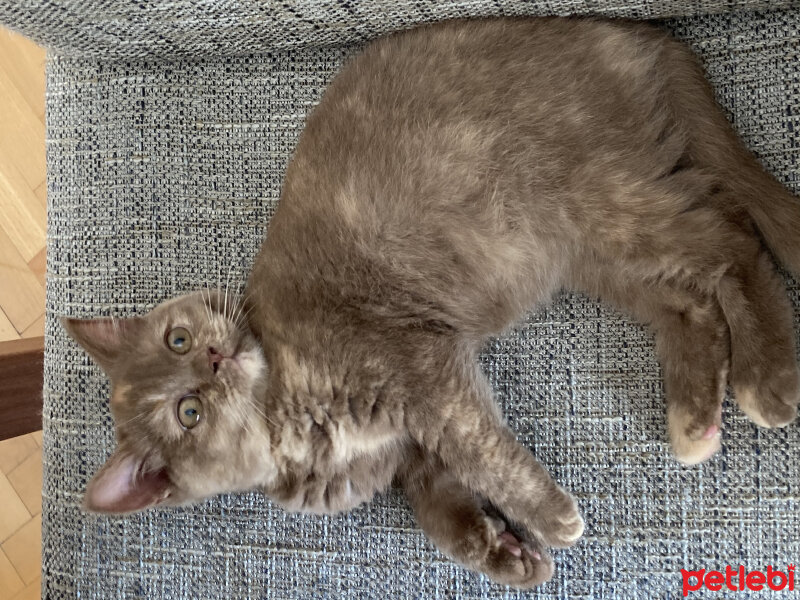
column 336, row 438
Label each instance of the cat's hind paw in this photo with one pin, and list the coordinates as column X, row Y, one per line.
column 693, row 452
column 694, row 439
column 773, row 403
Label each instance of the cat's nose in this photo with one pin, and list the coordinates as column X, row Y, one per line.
column 214, row 358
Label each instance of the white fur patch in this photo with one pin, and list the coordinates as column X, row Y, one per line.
column 348, row 445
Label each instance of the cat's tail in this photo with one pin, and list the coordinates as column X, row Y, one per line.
column 747, row 187
column 775, row 211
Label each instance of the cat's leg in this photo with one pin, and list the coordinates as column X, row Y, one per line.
column 692, row 344
column 459, row 426
column 462, row 526
column 703, row 258
column 763, row 362
column 693, row 348
column 764, row 373
column 730, row 261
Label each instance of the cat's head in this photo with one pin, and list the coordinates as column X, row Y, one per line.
column 187, row 386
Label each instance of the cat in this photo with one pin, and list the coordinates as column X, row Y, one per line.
column 452, row 178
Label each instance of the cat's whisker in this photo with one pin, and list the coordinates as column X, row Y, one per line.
column 238, row 415
column 219, row 279
column 227, row 290
column 241, row 321
column 210, row 302
column 203, row 300
column 261, row 413
column 238, row 411
column 244, row 313
column 206, row 303
column 204, row 289
column 240, row 313
column 132, row 419
column 234, row 306
column 248, row 424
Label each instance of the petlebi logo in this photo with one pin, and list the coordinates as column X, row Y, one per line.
column 738, row 579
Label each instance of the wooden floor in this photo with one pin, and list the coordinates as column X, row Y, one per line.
column 21, row 517
column 23, row 206
column 22, row 268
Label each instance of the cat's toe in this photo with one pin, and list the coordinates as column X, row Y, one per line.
column 694, row 440
column 693, row 452
column 518, row 563
column 510, row 543
column 558, row 523
column 773, row 403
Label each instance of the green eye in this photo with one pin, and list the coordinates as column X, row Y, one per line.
column 190, row 411
column 179, row 340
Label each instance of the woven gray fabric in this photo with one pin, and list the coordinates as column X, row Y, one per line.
column 162, row 176
column 179, row 28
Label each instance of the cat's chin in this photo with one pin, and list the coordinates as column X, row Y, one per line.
column 246, row 371
column 252, row 363
column 249, row 364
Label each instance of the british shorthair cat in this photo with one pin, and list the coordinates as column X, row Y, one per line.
column 451, row 179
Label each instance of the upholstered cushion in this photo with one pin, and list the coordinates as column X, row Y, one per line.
column 162, row 177
column 201, row 28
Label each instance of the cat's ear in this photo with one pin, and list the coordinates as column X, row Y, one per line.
column 122, row 486
column 104, row 339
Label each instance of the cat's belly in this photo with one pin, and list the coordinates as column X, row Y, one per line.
column 341, row 434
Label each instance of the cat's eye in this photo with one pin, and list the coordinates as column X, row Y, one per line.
column 179, row 340
column 190, row 411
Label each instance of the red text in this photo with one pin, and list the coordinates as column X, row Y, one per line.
column 737, row 580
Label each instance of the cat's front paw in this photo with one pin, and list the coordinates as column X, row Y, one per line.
column 508, row 559
column 557, row 522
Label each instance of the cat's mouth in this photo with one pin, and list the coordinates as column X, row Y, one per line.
column 230, row 365
column 228, row 362
column 227, row 354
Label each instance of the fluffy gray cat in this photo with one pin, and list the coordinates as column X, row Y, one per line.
column 452, row 178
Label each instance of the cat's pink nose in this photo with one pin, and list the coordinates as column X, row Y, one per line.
column 214, row 358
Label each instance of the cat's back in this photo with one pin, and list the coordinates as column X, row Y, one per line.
column 447, row 160
column 418, row 102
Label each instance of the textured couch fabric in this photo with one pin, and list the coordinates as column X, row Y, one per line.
column 204, row 28
column 162, row 176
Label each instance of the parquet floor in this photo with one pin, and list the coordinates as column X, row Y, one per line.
column 23, row 206
column 21, row 517
column 22, row 268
